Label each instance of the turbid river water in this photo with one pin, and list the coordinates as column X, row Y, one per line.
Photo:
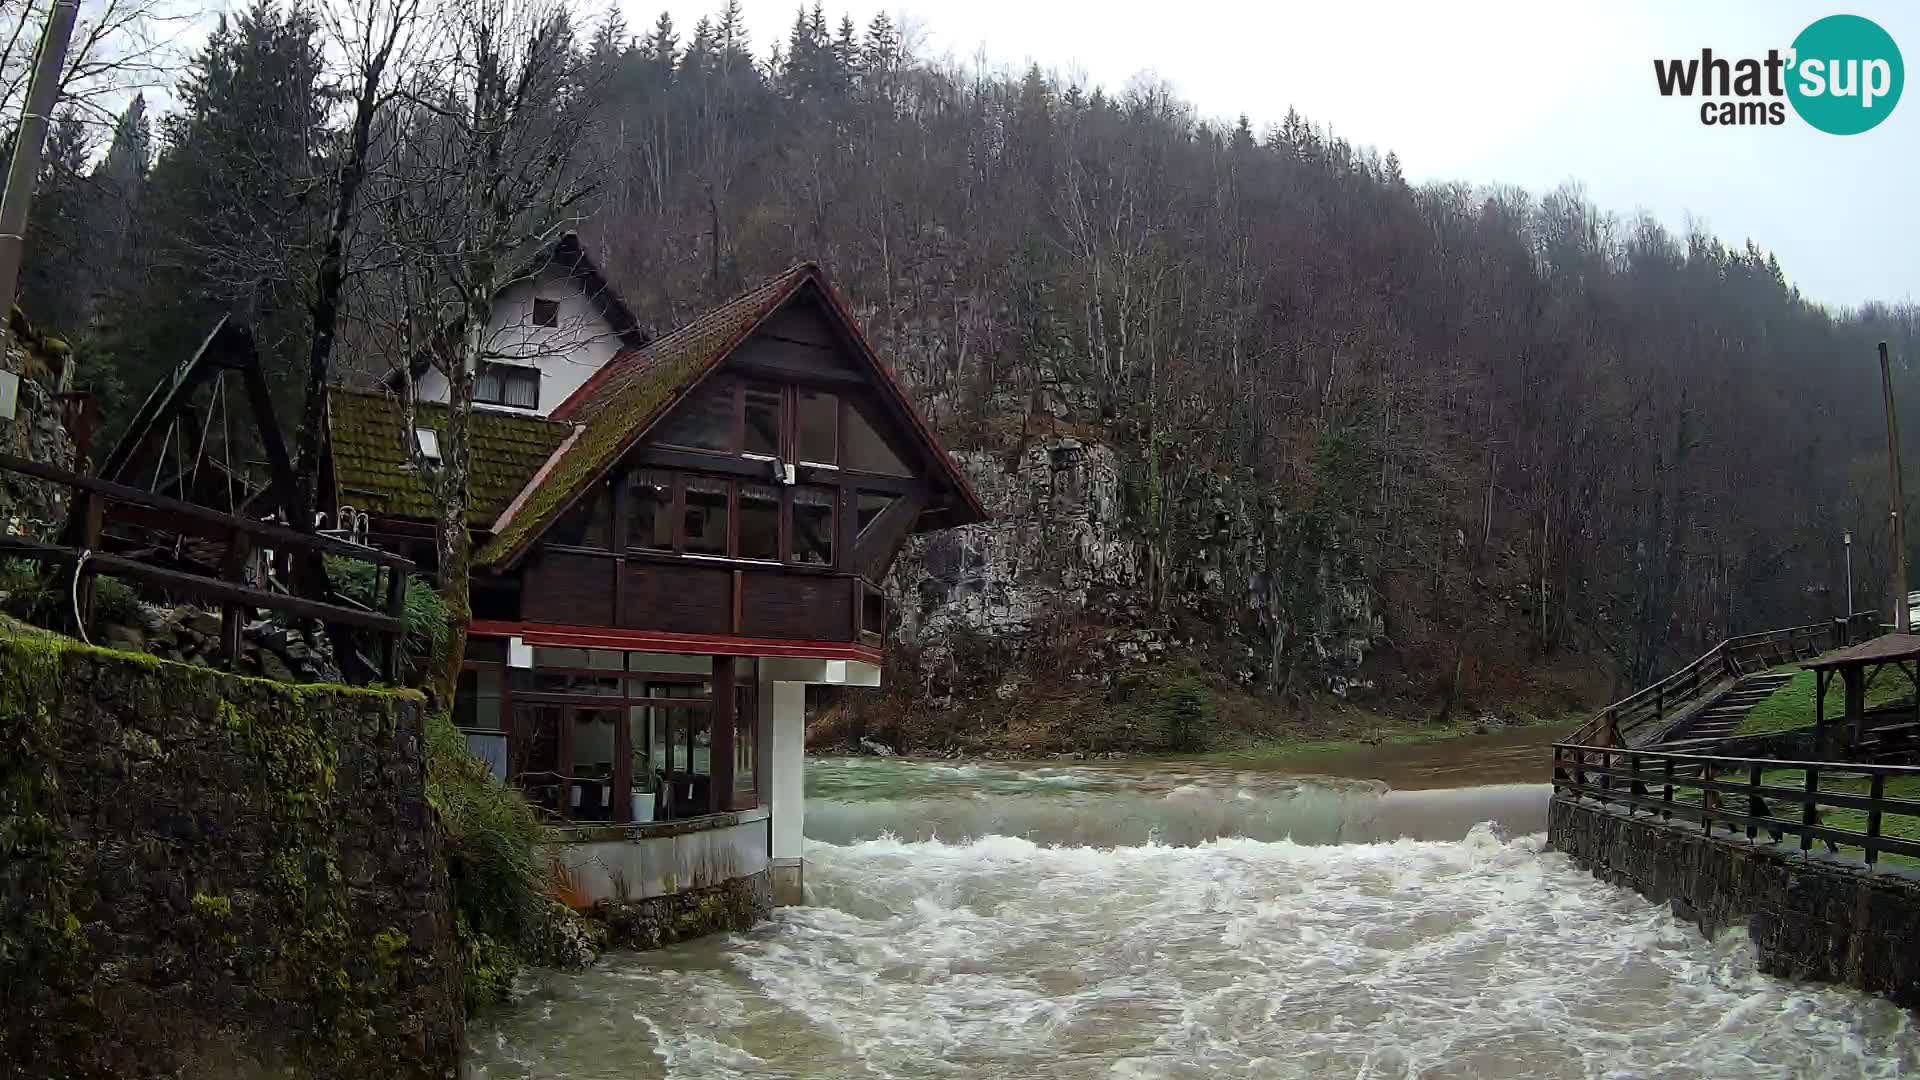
column 1174, row 920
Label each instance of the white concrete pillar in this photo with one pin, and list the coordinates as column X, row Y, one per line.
column 783, row 716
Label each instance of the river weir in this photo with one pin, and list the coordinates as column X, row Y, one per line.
column 1107, row 920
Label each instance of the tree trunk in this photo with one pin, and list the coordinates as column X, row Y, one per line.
column 329, row 283
column 454, row 545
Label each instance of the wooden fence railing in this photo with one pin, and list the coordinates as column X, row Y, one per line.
column 241, row 535
column 1613, row 725
column 1810, row 800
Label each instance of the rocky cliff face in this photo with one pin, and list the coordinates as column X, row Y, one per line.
column 1063, row 569
column 1055, row 545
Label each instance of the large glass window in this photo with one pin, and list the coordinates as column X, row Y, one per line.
column 763, row 408
column 867, row 451
column 591, row 794
column 649, row 498
column 706, row 522
column 507, row 384
column 759, row 522
column 873, row 610
column 813, row 524
column 476, row 702
column 868, row 507
column 704, row 421
column 817, row 427
column 589, row 523
column 536, row 753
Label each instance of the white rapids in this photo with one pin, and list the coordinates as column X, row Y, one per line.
column 1001, row 956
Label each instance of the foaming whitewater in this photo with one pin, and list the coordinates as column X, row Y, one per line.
column 1235, row 954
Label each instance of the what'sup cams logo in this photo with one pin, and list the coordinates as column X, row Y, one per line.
column 1843, row 75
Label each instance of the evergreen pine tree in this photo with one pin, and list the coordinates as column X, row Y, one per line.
column 58, row 262
column 1242, row 135
column 662, row 48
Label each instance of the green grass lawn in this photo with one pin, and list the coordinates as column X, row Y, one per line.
column 1791, row 706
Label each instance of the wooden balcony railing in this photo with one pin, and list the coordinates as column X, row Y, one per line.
column 92, row 499
column 1839, row 805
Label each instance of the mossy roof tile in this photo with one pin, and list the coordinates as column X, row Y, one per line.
column 372, row 467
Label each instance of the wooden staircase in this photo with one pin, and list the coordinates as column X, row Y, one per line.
column 1720, row 717
column 1706, row 700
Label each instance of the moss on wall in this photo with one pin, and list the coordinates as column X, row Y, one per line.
column 734, row 904
column 202, row 873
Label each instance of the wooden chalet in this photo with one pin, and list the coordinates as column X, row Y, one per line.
column 664, row 560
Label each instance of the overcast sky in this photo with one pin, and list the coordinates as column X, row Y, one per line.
column 1525, row 93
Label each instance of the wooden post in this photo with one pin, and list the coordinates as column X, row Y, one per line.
column 1819, row 708
column 622, row 798
column 397, row 639
column 1808, row 815
column 91, row 510
column 720, row 740
column 1902, row 613
column 232, row 615
column 1856, row 682
column 1877, row 792
column 1753, row 783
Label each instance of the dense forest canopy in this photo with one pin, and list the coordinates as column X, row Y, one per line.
column 1522, row 423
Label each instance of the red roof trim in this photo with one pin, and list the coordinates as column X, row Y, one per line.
column 615, row 637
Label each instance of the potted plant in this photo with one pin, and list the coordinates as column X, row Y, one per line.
column 643, row 790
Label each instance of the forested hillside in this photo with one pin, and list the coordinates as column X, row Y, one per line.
column 1335, row 428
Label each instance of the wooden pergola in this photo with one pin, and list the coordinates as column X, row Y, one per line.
column 1857, row 667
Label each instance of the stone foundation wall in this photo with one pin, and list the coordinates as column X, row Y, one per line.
column 1812, row 916
column 214, row 876
column 735, row 904
column 28, row 506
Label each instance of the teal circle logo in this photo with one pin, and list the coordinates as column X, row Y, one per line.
column 1846, row 75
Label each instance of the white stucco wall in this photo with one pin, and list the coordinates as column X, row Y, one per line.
column 566, row 354
column 643, row 866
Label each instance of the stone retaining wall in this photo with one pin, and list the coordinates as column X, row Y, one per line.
column 735, row 904
column 214, row 876
column 1812, row 916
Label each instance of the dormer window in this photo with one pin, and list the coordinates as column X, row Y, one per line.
column 546, row 312
column 509, row 385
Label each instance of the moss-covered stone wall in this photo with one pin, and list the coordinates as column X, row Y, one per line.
column 214, row 876
column 735, row 904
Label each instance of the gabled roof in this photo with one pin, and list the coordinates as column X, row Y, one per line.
column 569, row 255
column 372, row 463
column 616, row 407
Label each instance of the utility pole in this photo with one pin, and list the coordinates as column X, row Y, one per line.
column 42, row 93
column 1902, row 611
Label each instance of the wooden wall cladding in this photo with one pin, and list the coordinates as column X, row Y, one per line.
column 561, row 587
column 676, row 598
column 800, row 607
column 686, row 597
